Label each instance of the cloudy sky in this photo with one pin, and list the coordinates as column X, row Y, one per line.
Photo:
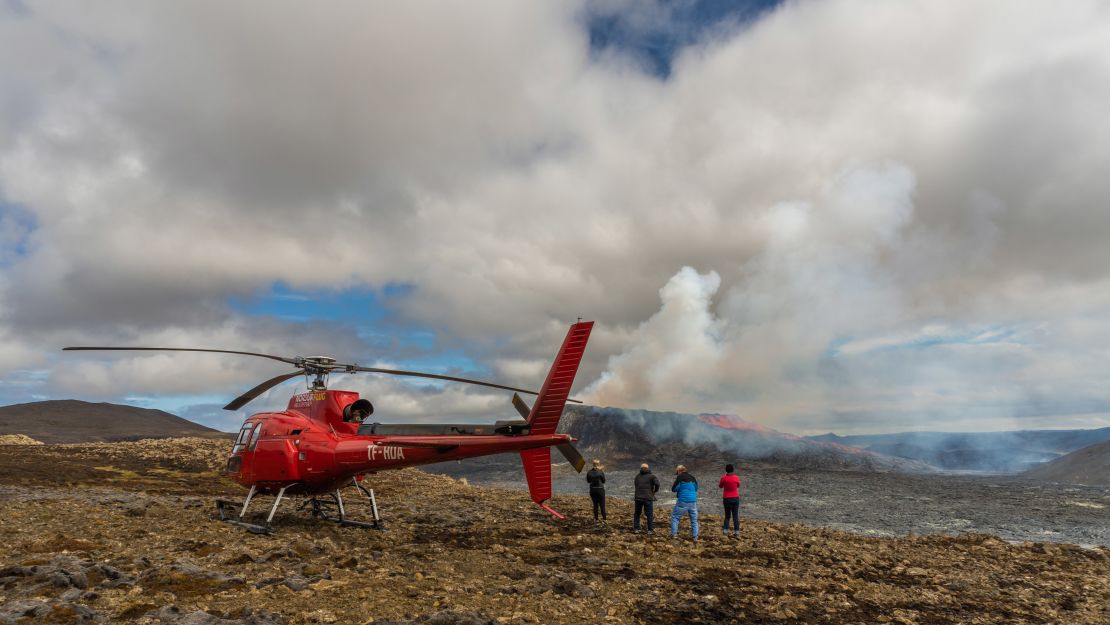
column 818, row 215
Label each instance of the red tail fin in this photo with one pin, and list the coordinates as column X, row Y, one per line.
column 548, row 408
column 537, row 468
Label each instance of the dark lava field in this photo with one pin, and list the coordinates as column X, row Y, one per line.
column 894, row 504
column 869, row 503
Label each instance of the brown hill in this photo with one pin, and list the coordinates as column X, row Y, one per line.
column 73, row 421
column 1090, row 465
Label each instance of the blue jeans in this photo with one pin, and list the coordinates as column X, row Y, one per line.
column 648, row 508
column 680, row 510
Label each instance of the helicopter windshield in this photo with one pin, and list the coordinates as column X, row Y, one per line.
column 241, row 440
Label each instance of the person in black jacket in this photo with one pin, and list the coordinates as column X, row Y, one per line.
column 646, row 487
column 596, row 478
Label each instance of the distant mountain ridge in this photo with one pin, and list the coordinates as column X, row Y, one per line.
column 74, row 421
column 999, row 452
column 1089, row 465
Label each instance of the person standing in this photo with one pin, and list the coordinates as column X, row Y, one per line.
column 730, row 486
column 644, row 495
column 686, row 488
column 596, row 478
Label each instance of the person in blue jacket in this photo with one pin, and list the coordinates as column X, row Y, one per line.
column 686, row 487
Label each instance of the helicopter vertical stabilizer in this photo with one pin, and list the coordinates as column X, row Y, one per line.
column 548, row 409
column 552, row 397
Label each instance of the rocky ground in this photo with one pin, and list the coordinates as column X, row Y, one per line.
column 124, row 532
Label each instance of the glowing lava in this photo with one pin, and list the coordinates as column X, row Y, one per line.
column 733, row 422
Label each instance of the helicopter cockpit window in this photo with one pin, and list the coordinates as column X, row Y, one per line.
column 240, row 441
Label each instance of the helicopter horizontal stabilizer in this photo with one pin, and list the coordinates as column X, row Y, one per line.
column 573, row 457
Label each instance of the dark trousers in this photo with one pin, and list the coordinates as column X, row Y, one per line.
column 598, row 497
column 732, row 508
column 648, row 508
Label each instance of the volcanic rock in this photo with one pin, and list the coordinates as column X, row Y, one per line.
column 18, row 439
column 172, row 615
column 179, row 565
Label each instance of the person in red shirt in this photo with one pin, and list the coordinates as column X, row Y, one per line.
column 730, row 483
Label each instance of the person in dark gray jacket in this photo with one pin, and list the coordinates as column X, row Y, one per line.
column 646, row 487
column 596, row 478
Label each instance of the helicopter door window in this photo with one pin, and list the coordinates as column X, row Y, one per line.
column 242, row 438
column 254, row 437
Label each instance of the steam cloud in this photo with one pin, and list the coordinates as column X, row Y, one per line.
column 823, row 275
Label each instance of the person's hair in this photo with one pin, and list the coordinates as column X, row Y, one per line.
column 680, row 469
column 729, row 468
column 597, row 463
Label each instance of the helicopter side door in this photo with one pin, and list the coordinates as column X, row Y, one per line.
column 240, row 462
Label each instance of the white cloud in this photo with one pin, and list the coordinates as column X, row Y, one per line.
column 849, row 171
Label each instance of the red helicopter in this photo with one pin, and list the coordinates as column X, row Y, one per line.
column 320, row 444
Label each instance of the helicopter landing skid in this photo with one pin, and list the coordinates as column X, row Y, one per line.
column 222, row 508
column 328, row 509
column 331, row 508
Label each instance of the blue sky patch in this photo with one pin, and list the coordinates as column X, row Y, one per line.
column 360, row 305
column 654, row 32
column 16, row 227
column 369, row 312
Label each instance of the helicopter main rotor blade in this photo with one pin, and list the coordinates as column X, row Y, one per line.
column 179, row 349
column 243, row 399
column 436, row 376
column 314, row 365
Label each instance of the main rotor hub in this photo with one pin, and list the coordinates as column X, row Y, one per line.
column 316, row 370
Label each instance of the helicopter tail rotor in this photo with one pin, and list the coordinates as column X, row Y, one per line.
column 569, row 451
